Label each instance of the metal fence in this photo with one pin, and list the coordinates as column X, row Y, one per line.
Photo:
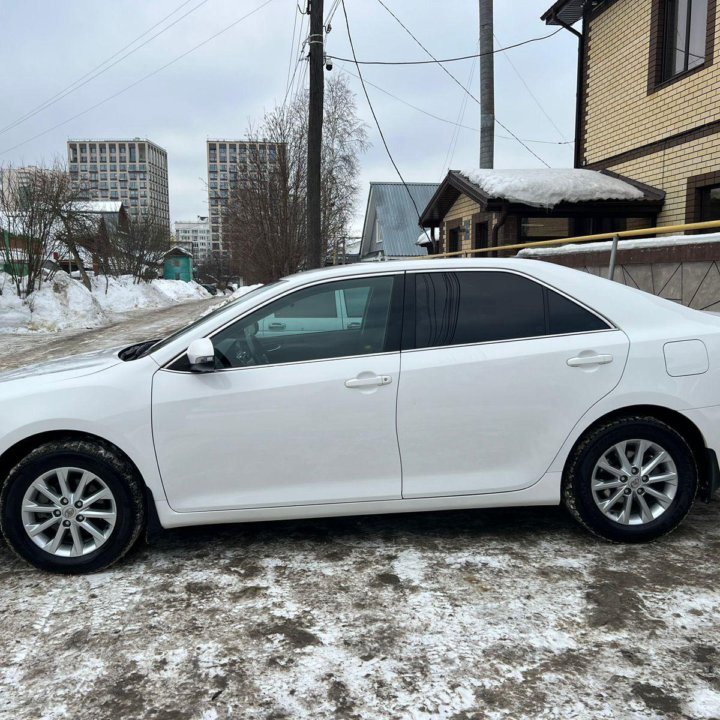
column 614, row 236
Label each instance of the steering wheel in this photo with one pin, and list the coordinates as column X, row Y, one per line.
column 256, row 349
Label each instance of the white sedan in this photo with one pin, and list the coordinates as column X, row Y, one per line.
column 391, row 387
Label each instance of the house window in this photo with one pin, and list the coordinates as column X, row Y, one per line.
column 453, row 240
column 685, row 42
column 710, row 203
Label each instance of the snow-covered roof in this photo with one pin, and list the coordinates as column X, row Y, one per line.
column 548, row 187
column 97, row 206
column 177, row 250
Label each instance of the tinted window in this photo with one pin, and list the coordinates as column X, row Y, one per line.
column 318, row 305
column 471, row 307
column 355, row 301
column 278, row 333
column 565, row 316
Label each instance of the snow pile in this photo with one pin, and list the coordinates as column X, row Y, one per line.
column 244, row 290
column 64, row 303
column 122, row 294
column 630, row 244
column 548, row 187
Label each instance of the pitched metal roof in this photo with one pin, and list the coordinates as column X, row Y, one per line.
column 396, row 216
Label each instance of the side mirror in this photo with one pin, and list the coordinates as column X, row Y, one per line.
column 201, row 355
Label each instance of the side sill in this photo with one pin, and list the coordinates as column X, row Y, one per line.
column 545, row 492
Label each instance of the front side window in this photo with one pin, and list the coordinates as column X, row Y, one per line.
column 473, row 307
column 331, row 320
column 685, row 42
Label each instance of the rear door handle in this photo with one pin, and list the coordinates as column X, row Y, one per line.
column 360, row 382
column 589, row 360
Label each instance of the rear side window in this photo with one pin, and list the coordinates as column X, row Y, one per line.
column 566, row 316
column 472, row 307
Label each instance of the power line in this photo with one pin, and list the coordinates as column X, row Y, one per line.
column 444, row 60
column 301, row 46
column 137, row 82
column 447, row 120
column 450, row 154
column 457, row 82
column 80, row 82
column 532, row 94
column 377, row 123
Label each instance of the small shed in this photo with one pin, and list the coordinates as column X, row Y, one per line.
column 177, row 264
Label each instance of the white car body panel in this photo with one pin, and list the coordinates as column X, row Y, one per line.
column 498, row 410
column 292, row 425
column 357, row 469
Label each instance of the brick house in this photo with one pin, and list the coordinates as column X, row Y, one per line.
column 648, row 96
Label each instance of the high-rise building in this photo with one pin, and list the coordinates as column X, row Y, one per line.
column 194, row 235
column 230, row 163
column 134, row 171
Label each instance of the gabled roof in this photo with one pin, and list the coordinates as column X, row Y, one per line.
column 557, row 190
column 177, row 251
column 396, row 216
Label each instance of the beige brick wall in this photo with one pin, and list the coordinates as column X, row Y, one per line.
column 620, row 114
column 670, row 170
column 463, row 210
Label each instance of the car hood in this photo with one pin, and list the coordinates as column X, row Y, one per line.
column 69, row 367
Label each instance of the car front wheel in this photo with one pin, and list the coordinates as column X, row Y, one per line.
column 631, row 480
column 71, row 507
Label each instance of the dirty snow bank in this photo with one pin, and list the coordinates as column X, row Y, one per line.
column 547, row 187
column 64, row 303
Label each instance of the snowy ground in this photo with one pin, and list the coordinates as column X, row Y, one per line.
column 451, row 616
column 64, row 303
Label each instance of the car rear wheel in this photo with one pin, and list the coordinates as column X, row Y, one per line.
column 72, row 507
column 631, row 480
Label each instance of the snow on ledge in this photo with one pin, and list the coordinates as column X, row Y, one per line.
column 630, row 244
column 549, row 187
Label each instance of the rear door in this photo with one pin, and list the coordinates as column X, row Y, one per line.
column 496, row 371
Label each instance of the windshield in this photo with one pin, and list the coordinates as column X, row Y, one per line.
column 220, row 309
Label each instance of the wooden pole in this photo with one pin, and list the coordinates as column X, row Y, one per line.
column 315, row 121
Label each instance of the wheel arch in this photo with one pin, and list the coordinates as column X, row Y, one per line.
column 20, row 449
column 685, row 427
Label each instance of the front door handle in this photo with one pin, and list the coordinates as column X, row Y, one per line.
column 589, row 360
column 360, row 382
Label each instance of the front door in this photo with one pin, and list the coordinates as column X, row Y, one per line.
column 498, row 371
column 288, row 418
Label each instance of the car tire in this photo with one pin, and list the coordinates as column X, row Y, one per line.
column 631, row 499
column 72, row 506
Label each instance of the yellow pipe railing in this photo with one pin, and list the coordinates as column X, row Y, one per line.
column 642, row 232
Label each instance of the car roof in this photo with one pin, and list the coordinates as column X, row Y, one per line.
column 634, row 311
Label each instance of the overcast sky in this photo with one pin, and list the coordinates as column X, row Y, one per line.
column 218, row 89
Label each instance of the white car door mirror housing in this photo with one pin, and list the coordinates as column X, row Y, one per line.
column 201, row 355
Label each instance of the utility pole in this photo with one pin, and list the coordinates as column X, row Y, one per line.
column 315, row 121
column 487, row 86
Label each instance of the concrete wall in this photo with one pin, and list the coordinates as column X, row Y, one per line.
column 688, row 274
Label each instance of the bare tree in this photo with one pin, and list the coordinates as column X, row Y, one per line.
column 31, row 202
column 134, row 247
column 264, row 225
